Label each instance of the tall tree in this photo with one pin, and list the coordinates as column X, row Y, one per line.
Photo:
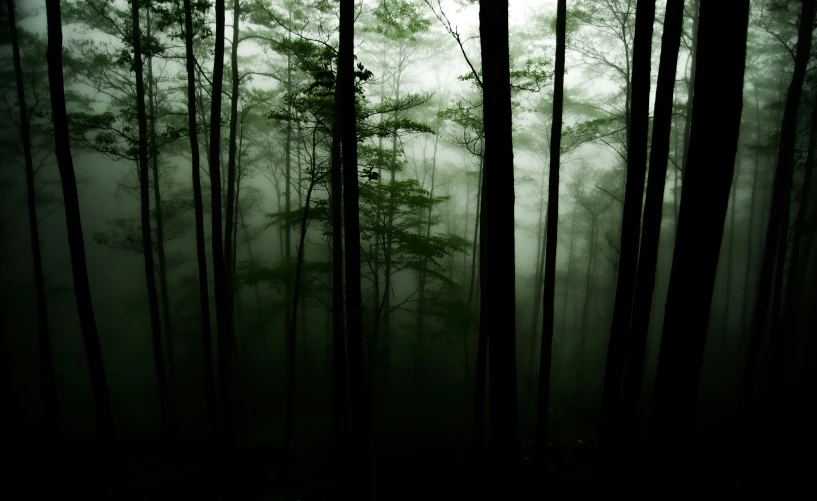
column 48, row 381
column 653, row 212
column 351, row 204
column 717, row 104
column 498, row 301
column 549, row 293
column 79, row 266
column 144, row 186
column 198, row 207
column 777, row 230
column 630, row 235
column 340, row 395
column 223, row 319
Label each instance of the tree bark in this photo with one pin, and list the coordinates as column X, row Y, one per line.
column 157, row 200
column 776, row 234
column 653, row 214
column 79, row 266
column 498, row 303
column 223, row 319
column 198, row 207
column 48, row 380
column 549, row 292
column 718, row 100
column 354, row 321
column 608, row 469
column 147, row 244
column 340, row 396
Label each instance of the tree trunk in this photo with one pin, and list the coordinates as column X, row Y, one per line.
column 340, row 394
column 147, row 244
column 549, row 292
column 753, row 200
column 608, row 469
column 498, row 307
column 79, row 266
column 794, row 293
column 157, row 200
column 714, row 136
column 48, row 380
column 290, row 384
column 220, row 272
column 696, row 10
column 775, row 245
column 357, row 388
column 653, row 214
column 198, row 206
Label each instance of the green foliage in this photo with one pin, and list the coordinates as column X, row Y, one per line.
column 252, row 272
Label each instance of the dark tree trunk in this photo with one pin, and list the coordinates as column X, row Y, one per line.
column 696, row 11
column 157, row 200
column 354, row 321
column 498, row 303
column 705, row 194
column 220, row 272
column 198, row 206
column 608, row 465
column 653, row 213
column 290, row 383
column 549, row 292
column 48, row 380
column 751, row 227
column 775, row 246
column 340, row 396
column 794, row 297
column 147, row 244
column 79, row 267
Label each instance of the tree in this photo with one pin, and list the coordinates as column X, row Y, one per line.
column 498, row 304
column 716, row 113
column 653, row 212
column 549, row 294
column 220, row 272
column 776, row 243
column 79, row 267
column 158, row 351
column 48, row 382
column 630, row 235
column 354, row 319
column 201, row 256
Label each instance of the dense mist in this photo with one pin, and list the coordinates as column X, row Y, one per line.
column 408, row 249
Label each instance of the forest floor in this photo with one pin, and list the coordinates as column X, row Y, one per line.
column 427, row 463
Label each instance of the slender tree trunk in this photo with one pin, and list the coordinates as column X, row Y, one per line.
column 481, row 368
column 48, row 380
column 424, row 269
column 499, row 307
column 340, row 396
column 729, row 264
column 157, row 201
column 79, row 266
column 696, row 10
column 538, row 283
column 714, row 137
column 290, row 384
column 549, row 293
column 794, row 292
column 220, row 272
column 147, row 244
column 750, row 232
column 570, row 257
column 229, row 249
column 653, row 214
column 198, row 206
column 775, row 245
column 608, row 465
column 354, row 323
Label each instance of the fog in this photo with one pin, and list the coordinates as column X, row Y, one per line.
column 420, row 130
